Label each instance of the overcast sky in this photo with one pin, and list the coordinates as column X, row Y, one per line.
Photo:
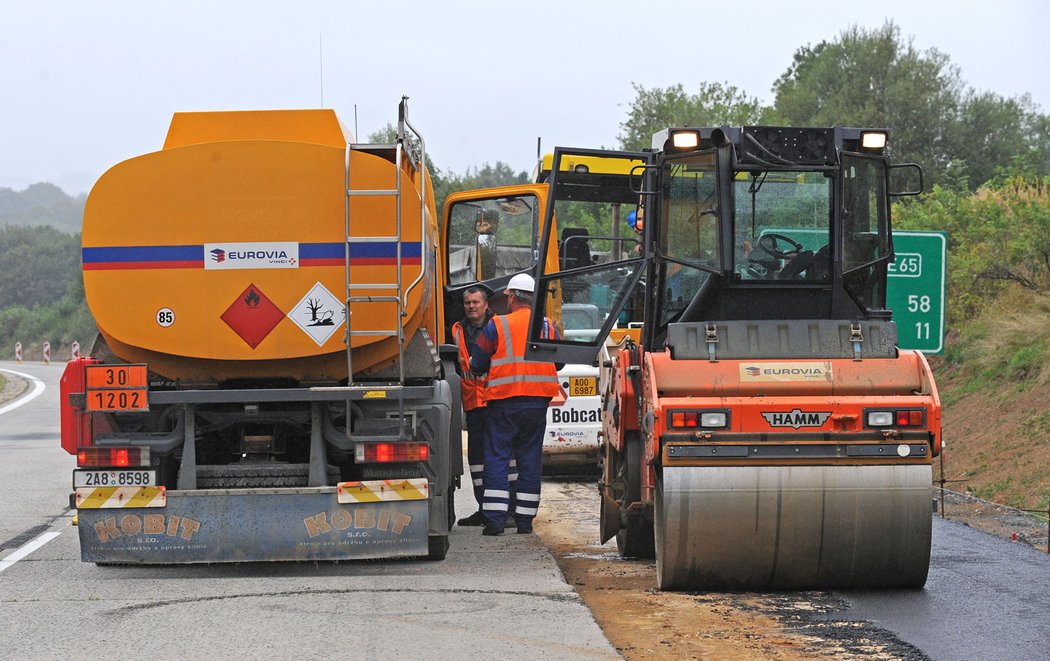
column 88, row 84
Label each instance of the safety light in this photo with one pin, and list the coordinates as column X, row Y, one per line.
column 896, row 418
column 873, row 140
column 112, row 457
column 386, row 453
column 685, row 140
column 713, row 419
column 699, row 419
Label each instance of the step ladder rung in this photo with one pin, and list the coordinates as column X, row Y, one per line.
column 376, row 192
column 377, row 285
column 372, row 239
column 393, row 333
column 371, row 146
column 373, row 299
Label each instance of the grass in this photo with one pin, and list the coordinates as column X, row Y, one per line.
column 992, row 490
column 1039, row 425
column 1006, row 349
column 3, row 382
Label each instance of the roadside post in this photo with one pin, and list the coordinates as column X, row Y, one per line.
column 18, row 352
column 75, row 349
column 47, row 353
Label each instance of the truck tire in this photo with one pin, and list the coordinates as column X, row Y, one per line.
column 451, row 500
column 635, row 538
column 246, row 476
column 437, row 547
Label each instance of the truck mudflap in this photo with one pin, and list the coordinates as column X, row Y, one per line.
column 793, row 527
column 354, row 520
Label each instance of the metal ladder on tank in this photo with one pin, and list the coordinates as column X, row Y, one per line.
column 398, row 295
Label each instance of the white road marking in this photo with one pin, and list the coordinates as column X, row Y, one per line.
column 38, row 387
column 27, row 548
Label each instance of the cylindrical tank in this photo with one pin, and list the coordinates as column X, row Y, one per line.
column 223, row 256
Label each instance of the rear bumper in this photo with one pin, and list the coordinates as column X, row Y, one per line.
column 571, row 436
column 244, row 525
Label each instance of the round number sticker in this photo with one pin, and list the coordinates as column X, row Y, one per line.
column 165, row 317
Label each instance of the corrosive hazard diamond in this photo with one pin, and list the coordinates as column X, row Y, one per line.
column 252, row 316
column 319, row 314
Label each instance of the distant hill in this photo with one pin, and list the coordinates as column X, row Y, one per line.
column 42, row 204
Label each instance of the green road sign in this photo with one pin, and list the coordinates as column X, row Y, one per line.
column 916, row 289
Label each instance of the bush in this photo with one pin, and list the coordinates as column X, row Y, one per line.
column 998, row 239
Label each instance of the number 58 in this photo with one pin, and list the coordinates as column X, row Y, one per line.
column 918, row 303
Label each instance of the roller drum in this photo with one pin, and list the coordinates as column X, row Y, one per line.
column 793, row 527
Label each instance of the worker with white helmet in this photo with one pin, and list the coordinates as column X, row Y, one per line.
column 517, row 394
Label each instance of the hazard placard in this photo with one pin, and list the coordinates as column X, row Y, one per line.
column 319, row 314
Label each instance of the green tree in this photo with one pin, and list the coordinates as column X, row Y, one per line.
column 38, row 265
column 42, row 290
column 447, row 182
column 961, row 137
column 714, row 104
column 998, row 238
column 876, row 79
column 996, row 135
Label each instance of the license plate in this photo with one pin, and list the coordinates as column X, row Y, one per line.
column 583, row 386
column 113, row 478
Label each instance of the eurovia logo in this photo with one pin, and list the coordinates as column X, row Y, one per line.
column 786, row 371
column 255, row 255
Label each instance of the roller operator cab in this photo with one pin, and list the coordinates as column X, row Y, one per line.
column 269, row 381
column 764, row 431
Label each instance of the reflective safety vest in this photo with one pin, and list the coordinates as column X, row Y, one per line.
column 471, row 387
column 510, row 375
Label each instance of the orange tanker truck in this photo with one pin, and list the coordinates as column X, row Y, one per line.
column 762, row 430
column 268, row 382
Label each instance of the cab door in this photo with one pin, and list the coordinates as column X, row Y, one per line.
column 593, row 259
column 488, row 236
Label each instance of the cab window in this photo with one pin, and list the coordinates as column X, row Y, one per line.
column 491, row 238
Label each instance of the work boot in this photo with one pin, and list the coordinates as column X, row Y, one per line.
column 524, row 526
column 475, row 519
column 492, row 530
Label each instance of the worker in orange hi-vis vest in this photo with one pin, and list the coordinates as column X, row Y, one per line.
column 465, row 334
column 517, row 395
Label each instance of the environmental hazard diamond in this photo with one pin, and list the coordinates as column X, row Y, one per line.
column 319, row 314
column 252, row 316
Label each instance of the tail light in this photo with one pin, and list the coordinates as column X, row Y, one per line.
column 895, row 418
column 384, row 453
column 699, row 419
column 112, row 457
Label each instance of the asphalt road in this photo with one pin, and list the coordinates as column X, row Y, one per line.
column 500, row 597
column 985, row 599
column 35, row 474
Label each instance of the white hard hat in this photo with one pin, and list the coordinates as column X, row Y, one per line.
column 522, row 282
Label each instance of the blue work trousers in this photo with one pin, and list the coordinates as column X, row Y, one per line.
column 476, row 455
column 513, row 432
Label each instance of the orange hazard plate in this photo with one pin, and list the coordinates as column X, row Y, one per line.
column 117, row 388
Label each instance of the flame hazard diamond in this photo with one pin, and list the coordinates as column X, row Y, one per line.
column 252, row 316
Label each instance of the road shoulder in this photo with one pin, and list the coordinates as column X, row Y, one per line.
column 14, row 386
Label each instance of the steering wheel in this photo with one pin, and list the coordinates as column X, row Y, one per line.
column 770, row 244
